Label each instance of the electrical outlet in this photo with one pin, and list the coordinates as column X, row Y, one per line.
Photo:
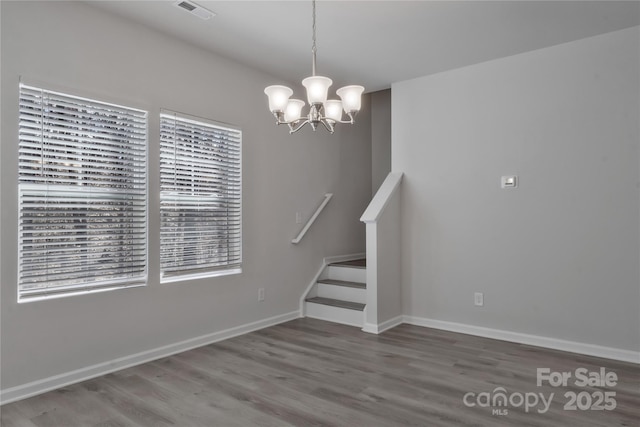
column 478, row 299
column 509, row 181
column 261, row 294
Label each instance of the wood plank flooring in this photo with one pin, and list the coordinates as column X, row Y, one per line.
column 313, row 373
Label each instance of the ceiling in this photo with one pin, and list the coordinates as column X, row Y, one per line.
column 376, row 43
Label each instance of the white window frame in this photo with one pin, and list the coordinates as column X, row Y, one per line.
column 169, row 195
column 86, row 170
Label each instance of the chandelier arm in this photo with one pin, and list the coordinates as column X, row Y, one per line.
column 327, row 125
column 280, row 119
column 345, row 122
column 282, row 122
column 292, row 122
column 293, row 129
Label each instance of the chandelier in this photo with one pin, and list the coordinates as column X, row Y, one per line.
column 323, row 111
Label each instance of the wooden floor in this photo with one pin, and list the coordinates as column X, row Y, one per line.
column 312, row 373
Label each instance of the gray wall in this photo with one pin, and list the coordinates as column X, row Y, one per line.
column 74, row 47
column 557, row 257
column 380, row 137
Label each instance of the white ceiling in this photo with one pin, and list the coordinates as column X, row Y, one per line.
column 376, row 43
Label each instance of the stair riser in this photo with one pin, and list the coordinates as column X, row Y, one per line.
column 342, row 293
column 334, row 314
column 347, row 273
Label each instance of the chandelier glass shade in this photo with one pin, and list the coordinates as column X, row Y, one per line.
column 323, row 111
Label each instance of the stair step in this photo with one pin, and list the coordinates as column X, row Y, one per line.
column 345, row 273
column 355, row 263
column 337, row 303
column 334, row 314
column 355, row 293
column 344, row 283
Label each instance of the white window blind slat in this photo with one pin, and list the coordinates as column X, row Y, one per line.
column 82, row 195
column 32, row 144
column 200, row 198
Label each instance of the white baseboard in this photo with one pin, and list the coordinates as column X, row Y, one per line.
column 535, row 340
column 372, row 328
column 41, row 386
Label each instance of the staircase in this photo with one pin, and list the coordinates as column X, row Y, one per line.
column 340, row 293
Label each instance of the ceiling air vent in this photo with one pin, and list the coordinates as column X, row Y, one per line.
column 194, row 9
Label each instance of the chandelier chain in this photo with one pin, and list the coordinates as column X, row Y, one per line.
column 313, row 38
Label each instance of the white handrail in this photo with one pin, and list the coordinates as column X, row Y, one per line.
column 327, row 197
column 381, row 199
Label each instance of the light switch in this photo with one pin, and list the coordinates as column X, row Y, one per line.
column 509, row 181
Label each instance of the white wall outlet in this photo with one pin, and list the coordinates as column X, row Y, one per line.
column 509, row 181
column 261, row 294
column 478, row 299
column 298, row 218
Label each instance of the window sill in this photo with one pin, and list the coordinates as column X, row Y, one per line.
column 210, row 274
column 81, row 291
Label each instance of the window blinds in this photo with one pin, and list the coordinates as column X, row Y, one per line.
column 82, row 195
column 200, row 198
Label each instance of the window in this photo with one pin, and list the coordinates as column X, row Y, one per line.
column 82, row 195
column 200, row 198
